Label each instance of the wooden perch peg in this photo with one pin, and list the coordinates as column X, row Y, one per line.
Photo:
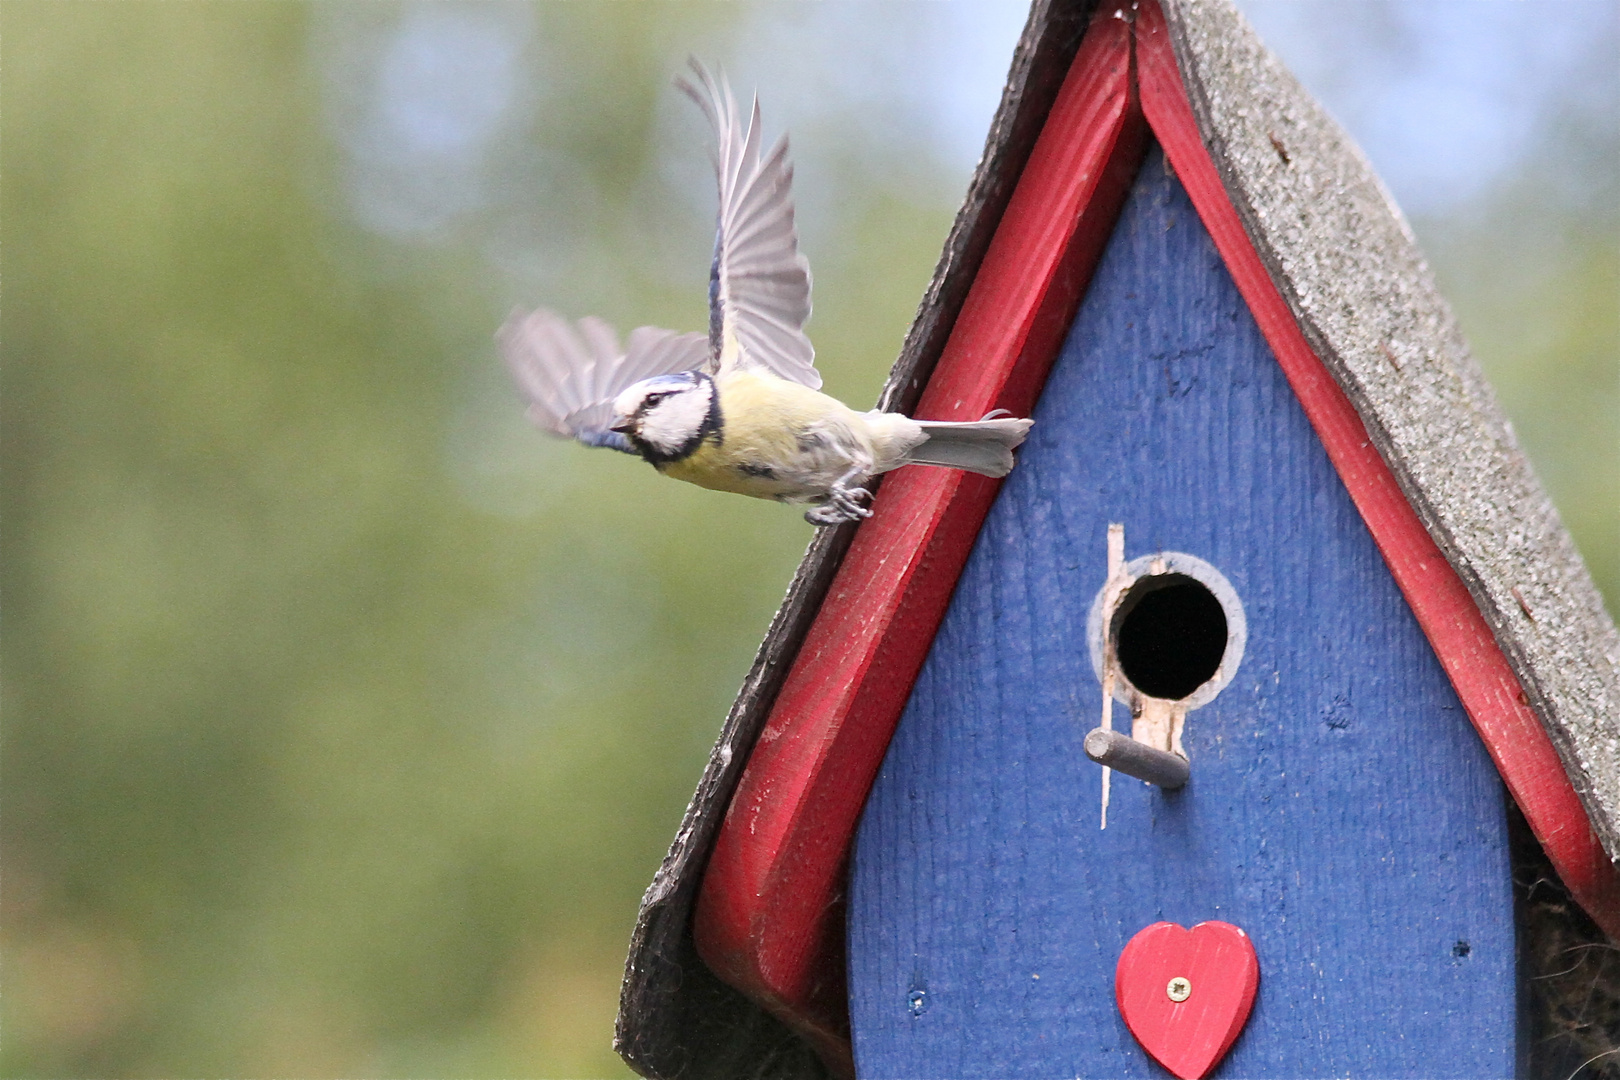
column 1116, row 750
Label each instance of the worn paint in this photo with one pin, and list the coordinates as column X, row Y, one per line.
column 1114, row 588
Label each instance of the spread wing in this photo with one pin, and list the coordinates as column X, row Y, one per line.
column 571, row 372
column 759, row 286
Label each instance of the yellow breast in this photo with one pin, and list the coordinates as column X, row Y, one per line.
column 762, row 418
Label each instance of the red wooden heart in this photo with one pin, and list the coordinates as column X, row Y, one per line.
column 1213, row 972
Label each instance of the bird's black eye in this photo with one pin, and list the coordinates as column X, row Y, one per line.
column 656, row 396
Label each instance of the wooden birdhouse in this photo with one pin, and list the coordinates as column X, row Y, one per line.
column 1195, row 746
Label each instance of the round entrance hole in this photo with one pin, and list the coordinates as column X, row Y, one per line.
column 1170, row 635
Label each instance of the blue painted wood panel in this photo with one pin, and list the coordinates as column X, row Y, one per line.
column 1341, row 809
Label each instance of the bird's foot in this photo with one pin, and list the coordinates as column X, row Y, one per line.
column 843, row 504
column 835, row 515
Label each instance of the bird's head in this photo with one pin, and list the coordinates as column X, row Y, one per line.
column 667, row 417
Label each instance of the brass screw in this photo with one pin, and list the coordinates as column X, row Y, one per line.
column 1179, row 989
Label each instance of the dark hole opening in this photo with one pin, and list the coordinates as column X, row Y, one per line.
column 1169, row 635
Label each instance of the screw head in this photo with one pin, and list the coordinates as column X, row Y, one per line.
column 1179, row 989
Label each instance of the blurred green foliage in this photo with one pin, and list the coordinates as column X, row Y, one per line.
column 1536, row 286
column 345, row 716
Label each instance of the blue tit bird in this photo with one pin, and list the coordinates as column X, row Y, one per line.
column 737, row 409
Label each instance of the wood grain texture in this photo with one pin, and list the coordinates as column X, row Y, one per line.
column 769, row 918
column 1215, row 972
column 1342, row 810
column 1451, row 617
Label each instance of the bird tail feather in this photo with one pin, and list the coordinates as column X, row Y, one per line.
column 981, row 446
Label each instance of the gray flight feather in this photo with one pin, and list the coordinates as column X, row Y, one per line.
column 759, row 290
column 571, row 372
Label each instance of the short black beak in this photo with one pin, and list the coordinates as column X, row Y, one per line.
column 624, row 428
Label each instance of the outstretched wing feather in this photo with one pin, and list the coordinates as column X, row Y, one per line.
column 603, row 345
column 762, row 281
column 571, row 372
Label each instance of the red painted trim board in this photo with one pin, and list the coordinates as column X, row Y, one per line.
column 1467, row 649
column 769, row 919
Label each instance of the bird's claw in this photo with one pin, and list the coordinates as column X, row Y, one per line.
column 843, row 504
column 833, row 515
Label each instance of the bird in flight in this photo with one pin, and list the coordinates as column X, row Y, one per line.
column 737, row 409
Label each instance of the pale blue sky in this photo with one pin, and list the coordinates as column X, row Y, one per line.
column 1445, row 96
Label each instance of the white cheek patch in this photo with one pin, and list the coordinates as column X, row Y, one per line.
column 672, row 423
column 625, row 405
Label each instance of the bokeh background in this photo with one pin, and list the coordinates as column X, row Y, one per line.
column 345, row 716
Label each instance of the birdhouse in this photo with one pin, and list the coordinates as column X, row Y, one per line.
column 1206, row 743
